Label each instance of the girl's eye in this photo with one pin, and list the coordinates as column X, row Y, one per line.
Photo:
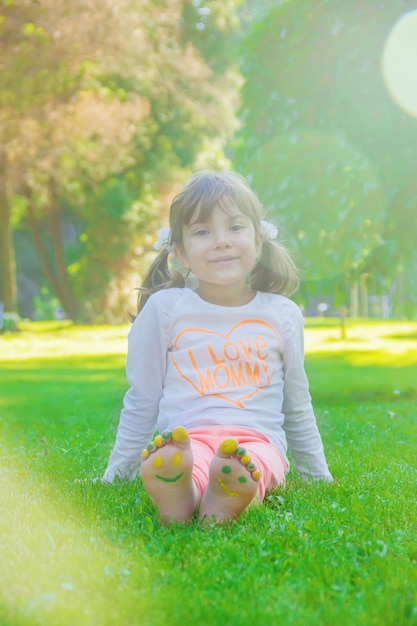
column 201, row 232
column 237, row 227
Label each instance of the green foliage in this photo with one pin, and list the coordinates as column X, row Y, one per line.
column 45, row 307
column 94, row 554
column 323, row 142
column 33, row 65
column 329, row 198
column 105, row 246
column 205, row 23
column 8, row 322
column 100, row 124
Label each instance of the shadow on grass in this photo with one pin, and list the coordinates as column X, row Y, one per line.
column 402, row 337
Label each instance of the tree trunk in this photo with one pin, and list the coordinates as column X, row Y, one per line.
column 342, row 313
column 59, row 286
column 8, row 281
column 67, row 296
column 354, row 300
column 401, row 294
column 364, row 297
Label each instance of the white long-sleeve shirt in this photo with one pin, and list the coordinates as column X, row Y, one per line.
column 197, row 364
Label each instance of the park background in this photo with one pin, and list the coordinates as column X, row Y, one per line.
column 107, row 107
column 105, row 110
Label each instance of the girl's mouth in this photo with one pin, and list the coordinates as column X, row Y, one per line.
column 224, row 260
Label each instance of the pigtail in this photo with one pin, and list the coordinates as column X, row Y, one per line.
column 275, row 271
column 159, row 276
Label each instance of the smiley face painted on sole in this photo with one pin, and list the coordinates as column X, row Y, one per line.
column 233, row 483
column 166, row 459
column 167, row 464
column 175, row 462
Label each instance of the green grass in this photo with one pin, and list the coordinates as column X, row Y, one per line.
column 93, row 554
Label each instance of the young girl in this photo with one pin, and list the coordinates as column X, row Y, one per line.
column 217, row 369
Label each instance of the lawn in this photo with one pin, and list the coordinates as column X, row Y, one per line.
column 79, row 553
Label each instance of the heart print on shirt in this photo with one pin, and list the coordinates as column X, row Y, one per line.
column 234, row 366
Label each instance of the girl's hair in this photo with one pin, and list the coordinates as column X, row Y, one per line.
column 274, row 272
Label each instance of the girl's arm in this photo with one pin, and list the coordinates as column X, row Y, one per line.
column 145, row 369
column 300, row 425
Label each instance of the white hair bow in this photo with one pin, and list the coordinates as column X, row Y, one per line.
column 164, row 237
column 269, row 231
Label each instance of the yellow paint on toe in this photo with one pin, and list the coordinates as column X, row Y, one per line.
column 226, row 488
column 228, row 446
column 245, row 459
column 256, row 475
column 145, row 454
column 177, row 459
column 180, row 434
column 158, row 441
column 157, row 462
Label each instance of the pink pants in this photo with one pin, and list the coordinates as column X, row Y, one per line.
column 205, row 443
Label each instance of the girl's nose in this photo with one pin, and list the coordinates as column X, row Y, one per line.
column 221, row 239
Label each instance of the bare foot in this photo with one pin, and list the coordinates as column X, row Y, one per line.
column 167, row 463
column 233, row 483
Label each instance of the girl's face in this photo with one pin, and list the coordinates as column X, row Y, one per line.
column 220, row 251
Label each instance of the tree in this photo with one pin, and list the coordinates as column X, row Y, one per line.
column 106, row 92
column 322, row 140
